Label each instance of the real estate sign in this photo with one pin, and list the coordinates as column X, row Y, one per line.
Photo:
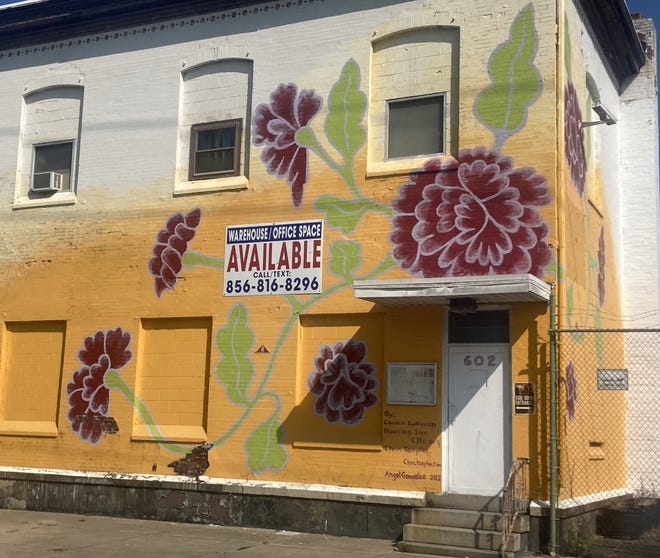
column 273, row 258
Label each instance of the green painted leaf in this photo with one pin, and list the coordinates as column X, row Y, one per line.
column 587, row 132
column 558, row 270
column 340, row 213
column 264, row 452
column 567, row 47
column 600, row 339
column 345, row 256
column 577, row 337
column 235, row 368
column 516, row 82
column 346, row 108
column 569, row 303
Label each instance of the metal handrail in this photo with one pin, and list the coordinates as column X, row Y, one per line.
column 514, row 498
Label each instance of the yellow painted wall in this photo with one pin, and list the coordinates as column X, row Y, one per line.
column 87, row 275
column 592, row 421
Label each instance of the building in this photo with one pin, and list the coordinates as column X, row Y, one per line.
column 310, row 247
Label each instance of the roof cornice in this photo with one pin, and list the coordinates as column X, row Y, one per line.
column 622, row 51
column 54, row 20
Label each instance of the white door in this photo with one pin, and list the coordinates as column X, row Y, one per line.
column 477, row 413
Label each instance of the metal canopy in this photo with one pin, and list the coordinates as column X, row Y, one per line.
column 488, row 289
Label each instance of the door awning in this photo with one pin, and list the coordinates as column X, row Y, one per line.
column 487, row 289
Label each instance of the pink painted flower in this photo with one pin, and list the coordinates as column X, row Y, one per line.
column 87, row 394
column 571, row 391
column 171, row 244
column 574, row 138
column 275, row 125
column 344, row 384
column 601, row 267
column 474, row 216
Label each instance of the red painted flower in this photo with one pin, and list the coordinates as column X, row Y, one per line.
column 171, row 244
column 571, row 391
column 474, row 216
column 88, row 396
column 343, row 382
column 113, row 343
column 275, row 125
column 601, row 267
column 574, row 138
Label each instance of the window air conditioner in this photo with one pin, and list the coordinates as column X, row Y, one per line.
column 47, row 182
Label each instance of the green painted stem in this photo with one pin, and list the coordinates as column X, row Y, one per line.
column 113, row 379
column 349, row 177
column 234, row 427
column 306, row 137
column 300, row 307
column 297, row 307
column 192, row 259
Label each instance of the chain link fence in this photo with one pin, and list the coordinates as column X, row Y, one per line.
column 609, row 427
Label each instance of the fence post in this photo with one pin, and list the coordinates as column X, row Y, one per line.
column 554, row 467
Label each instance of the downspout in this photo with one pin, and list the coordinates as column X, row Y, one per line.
column 560, row 78
column 554, row 465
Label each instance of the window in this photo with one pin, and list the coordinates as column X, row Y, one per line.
column 215, row 149
column 415, row 126
column 173, row 378
column 214, row 124
column 51, row 123
column 52, row 167
column 592, row 141
column 413, row 96
column 489, row 326
column 30, row 378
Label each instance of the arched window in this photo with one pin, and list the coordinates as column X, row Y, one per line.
column 413, row 105
column 50, row 134
column 214, row 120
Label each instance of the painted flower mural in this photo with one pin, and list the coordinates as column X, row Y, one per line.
column 574, row 138
column 473, row 216
column 343, row 382
column 87, row 394
column 171, row 244
column 601, row 267
column 275, row 126
column 571, row 391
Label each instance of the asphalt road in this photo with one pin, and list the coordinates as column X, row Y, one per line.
column 28, row 534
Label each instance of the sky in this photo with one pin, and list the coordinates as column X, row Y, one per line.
column 650, row 8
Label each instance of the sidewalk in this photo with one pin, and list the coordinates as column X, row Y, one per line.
column 28, row 534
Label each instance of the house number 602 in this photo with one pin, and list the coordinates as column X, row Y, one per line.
column 478, row 360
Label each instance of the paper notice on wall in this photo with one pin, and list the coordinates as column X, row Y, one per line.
column 524, row 398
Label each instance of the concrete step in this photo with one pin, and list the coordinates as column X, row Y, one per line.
column 460, row 537
column 446, row 551
column 466, row 519
column 465, row 502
